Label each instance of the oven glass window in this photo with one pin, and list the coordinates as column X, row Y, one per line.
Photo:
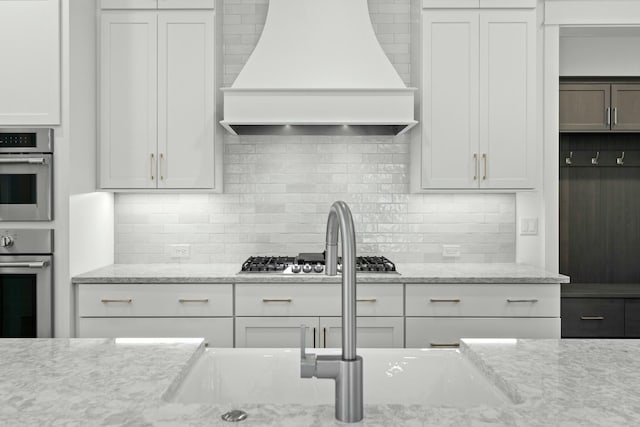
column 18, row 189
column 18, row 306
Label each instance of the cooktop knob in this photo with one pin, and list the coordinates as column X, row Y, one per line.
column 339, row 268
column 295, row 268
column 307, row 268
column 318, row 268
column 6, row 241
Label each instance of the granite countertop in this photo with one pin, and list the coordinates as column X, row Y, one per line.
column 80, row 382
column 409, row 273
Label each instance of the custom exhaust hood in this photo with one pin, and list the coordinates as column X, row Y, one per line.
column 318, row 69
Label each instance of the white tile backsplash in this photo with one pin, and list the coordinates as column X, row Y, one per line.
column 278, row 190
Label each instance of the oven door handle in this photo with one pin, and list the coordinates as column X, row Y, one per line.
column 24, row 161
column 34, row 264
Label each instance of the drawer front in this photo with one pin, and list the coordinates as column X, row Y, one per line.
column 632, row 318
column 379, row 300
column 473, row 300
column 217, row 332
column 127, row 300
column 593, row 317
column 288, row 299
column 423, row 332
column 372, row 332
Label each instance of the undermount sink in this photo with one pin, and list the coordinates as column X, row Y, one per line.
column 433, row 377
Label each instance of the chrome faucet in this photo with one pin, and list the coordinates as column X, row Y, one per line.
column 346, row 370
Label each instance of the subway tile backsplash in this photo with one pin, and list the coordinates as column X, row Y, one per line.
column 278, row 190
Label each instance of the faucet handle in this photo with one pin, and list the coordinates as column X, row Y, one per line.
column 307, row 360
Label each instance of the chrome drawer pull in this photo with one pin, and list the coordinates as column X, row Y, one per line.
column 442, row 345
column 591, row 317
column 35, row 264
column 367, row 300
column 522, row 300
column 126, row 300
column 445, row 300
column 194, row 300
column 277, row 300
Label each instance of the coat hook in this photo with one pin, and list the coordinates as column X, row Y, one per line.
column 594, row 160
column 567, row 160
column 620, row 160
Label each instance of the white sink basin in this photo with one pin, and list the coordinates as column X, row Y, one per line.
column 434, row 377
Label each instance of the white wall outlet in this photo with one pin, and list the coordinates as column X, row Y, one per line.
column 529, row 226
column 180, row 251
column 451, row 251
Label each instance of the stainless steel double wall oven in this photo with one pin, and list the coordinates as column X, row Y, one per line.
column 26, row 174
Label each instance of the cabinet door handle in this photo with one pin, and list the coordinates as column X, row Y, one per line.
column 591, row 317
column 615, row 116
column 367, row 300
column 607, row 115
column 314, row 337
column 125, row 300
column 475, row 166
column 445, row 300
column 194, row 300
column 277, row 300
column 484, row 161
column 161, row 161
column 152, row 164
column 324, row 336
column 444, row 345
column 522, row 300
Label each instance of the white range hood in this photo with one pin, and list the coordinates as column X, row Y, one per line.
column 318, row 69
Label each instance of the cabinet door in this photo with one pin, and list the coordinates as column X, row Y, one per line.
column 584, row 107
column 280, row 332
column 217, row 332
column 128, row 100
column 372, row 332
column 593, row 317
column 30, row 71
column 625, row 104
column 186, row 119
column 450, row 99
column 507, row 99
column 423, row 332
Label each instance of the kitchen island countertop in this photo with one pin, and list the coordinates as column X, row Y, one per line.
column 87, row 382
column 409, row 273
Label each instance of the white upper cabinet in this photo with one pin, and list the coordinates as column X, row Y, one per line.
column 478, row 99
column 157, row 96
column 30, row 71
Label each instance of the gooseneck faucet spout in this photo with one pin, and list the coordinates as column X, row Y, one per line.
column 346, row 369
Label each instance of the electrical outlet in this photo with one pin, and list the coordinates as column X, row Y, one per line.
column 529, row 226
column 180, row 251
column 451, row 251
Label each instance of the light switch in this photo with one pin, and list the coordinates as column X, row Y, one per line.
column 529, row 226
column 180, row 251
column 451, row 251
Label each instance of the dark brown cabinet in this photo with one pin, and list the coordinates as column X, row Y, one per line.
column 611, row 317
column 599, row 107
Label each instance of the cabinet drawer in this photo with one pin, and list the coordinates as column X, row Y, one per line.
column 593, row 317
column 441, row 331
column 125, row 300
column 379, row 300
column 474, row 300
column 288, row 299
column 217, row 332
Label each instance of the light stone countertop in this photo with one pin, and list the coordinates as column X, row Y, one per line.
column 86, row 382
column 409, row 273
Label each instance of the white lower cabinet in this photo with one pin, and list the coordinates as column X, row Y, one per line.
column 322, row 332
column 217, row 332
column 439, row 315
column 425, row 332
column 156, row 310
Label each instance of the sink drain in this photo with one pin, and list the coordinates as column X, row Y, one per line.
column 234, row 416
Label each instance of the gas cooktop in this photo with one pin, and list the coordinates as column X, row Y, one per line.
column 312, row 263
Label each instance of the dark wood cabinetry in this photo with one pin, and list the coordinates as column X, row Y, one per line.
column 600, row 310
column 599, row 107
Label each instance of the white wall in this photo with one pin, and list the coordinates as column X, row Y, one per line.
column 600, row 52
column 90, row 232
